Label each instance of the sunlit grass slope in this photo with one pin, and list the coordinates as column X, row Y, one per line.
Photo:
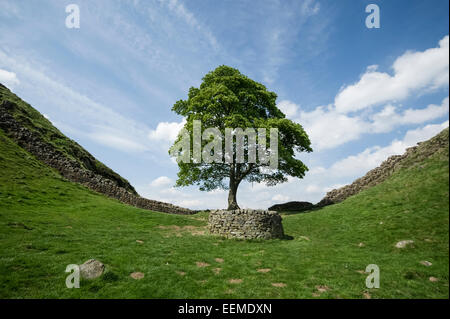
column 47, row 223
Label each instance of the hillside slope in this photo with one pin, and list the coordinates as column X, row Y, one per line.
column 40, row 234
column 36, row 134
column 413, row 156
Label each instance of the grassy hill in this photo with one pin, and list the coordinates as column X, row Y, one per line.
column 47, row 223
column 31, row 119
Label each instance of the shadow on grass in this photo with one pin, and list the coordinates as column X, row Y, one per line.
column 296, row 212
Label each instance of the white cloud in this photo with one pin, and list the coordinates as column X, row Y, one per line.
column 372, row 157
column 412, row 137
column 289, row 108
column 171, row 191
column 161, row 181
column 388, row 118
column 329, row 188
column 313, row 189
column 189, row 203
column 166, row 131
column 9, row 79
column 328, row 128
column 413, row 71
column 280, row 198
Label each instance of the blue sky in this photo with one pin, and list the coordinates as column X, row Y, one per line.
column 361, row 94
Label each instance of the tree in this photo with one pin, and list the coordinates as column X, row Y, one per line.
column 228, row 99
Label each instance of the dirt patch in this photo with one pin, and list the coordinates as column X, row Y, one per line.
column 198, row 232
column 367, row 295
column 174, row 230
column 217, row 270
column 201, row 264
column 361, row 272
column 235, row 281
column 139, row 241
column 137, row 275
column 264, row 270
column 181, row 273
column 279, row 284
column 323, row 288
column 433, row 279
column 219, row 260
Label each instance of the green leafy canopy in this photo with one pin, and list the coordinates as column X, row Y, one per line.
column 228, row 99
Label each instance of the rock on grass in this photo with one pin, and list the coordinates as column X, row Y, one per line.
column 92, row 269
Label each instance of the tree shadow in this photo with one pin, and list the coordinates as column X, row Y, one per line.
column 296, row 212
column 287, row 237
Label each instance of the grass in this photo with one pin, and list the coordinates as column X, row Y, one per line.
column 47, row 223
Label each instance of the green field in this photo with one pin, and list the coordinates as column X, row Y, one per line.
column 47, row 223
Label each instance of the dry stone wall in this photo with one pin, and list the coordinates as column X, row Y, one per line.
column 73, row 171
column 246, row 224
column 413, row 156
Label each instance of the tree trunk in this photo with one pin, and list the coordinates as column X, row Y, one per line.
column 232, row 202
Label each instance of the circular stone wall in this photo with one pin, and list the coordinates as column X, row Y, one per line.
column 246, row 224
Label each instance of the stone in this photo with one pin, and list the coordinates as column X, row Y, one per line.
column 404, row 243
column 426, row 263
column 433, row 279
column 246, row 224
column 91, row 269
